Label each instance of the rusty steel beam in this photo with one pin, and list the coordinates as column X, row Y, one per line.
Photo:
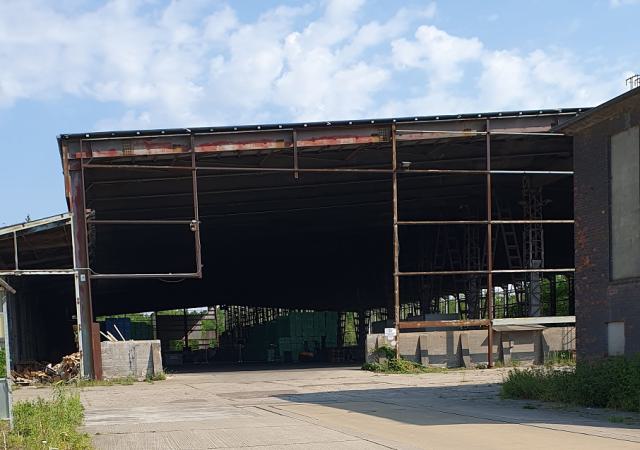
column 29, row 272
column 396, row 240
column 80, row 246
column 195, row 225
column 15, row 251
column 237, row 168
column 564, row 269
column 139, row 222
column 445, row 323
column 116, row 276
column 7, row 287
column 482, row 133
column 325, row 169
column 296, row 165
column 482, row 272
column 485, row 222
column 489, row 250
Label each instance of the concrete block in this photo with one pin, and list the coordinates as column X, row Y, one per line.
column 465, row 355
column 137, row 359
column 423, row 349
column 504, row 351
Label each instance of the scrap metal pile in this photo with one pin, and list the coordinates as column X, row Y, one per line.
column 66, row 370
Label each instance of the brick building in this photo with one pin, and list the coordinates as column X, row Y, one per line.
column 607, row 227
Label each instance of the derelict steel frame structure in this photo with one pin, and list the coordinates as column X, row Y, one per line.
column 75, row 164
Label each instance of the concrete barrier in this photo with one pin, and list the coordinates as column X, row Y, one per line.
column 468, row 348
column 137, row 359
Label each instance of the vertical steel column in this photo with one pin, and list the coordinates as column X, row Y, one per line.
column 296, row 174
column 396, row 242
column 4, row 301
column 77, row 206
column 489, row 252
column 196, row 208
column 15, row 250
column 185, row 330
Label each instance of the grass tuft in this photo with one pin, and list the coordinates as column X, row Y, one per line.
column 50, row 423
column 126, row 381
column 157, row 377
column 610, row 383
column 388, row 363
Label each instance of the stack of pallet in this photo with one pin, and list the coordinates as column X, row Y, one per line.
column 285, row 338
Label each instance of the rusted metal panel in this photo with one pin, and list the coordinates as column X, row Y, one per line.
column 232, row 142
column 120, row 148
column 97, row 350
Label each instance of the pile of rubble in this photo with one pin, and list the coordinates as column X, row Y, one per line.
column 66, row 370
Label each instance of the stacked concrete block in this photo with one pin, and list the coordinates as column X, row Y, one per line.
column 468, row 348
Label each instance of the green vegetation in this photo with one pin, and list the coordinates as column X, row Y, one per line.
column 126, row 381
column 610, row 383
column 3, row 363
column 157, row 377
column 43, row 424
column 560, row 358
column 388, row 363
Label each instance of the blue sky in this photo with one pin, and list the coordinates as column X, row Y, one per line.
column 71, row 66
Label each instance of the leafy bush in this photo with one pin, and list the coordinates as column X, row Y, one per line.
column 49, row 423
column 610, row 383
column 389, row 363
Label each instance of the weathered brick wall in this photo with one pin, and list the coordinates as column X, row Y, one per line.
column 598, row 299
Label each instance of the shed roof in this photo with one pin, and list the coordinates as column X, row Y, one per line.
column 38, row 224
column 599, row 113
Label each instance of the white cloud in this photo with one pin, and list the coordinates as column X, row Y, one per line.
column 616, row 3
column 439, row 53
column 185, row 64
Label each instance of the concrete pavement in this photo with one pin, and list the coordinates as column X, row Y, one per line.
column 338, row 408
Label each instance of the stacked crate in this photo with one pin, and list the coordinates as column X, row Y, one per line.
column 286, row 337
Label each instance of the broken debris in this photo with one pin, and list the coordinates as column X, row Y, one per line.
column 66, row 370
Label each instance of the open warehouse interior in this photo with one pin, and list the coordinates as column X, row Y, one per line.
column 367, row 223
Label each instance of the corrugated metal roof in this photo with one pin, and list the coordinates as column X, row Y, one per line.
column 47, row 222
column 583, row 120
column 324, row 124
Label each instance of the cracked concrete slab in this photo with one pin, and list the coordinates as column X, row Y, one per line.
column 337, row 408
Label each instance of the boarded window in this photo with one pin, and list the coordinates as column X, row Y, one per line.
column 625, row 204
column 615, row 338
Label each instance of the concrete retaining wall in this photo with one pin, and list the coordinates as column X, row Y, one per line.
column 467, row 348
column 137, row 359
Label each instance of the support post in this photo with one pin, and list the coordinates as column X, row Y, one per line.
column 196, row 210
column 15, row 251
column 553, row 291
column 396, row 242
column 489, row 251
column 185, row 329
column 84, row 311
column 296, row 166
